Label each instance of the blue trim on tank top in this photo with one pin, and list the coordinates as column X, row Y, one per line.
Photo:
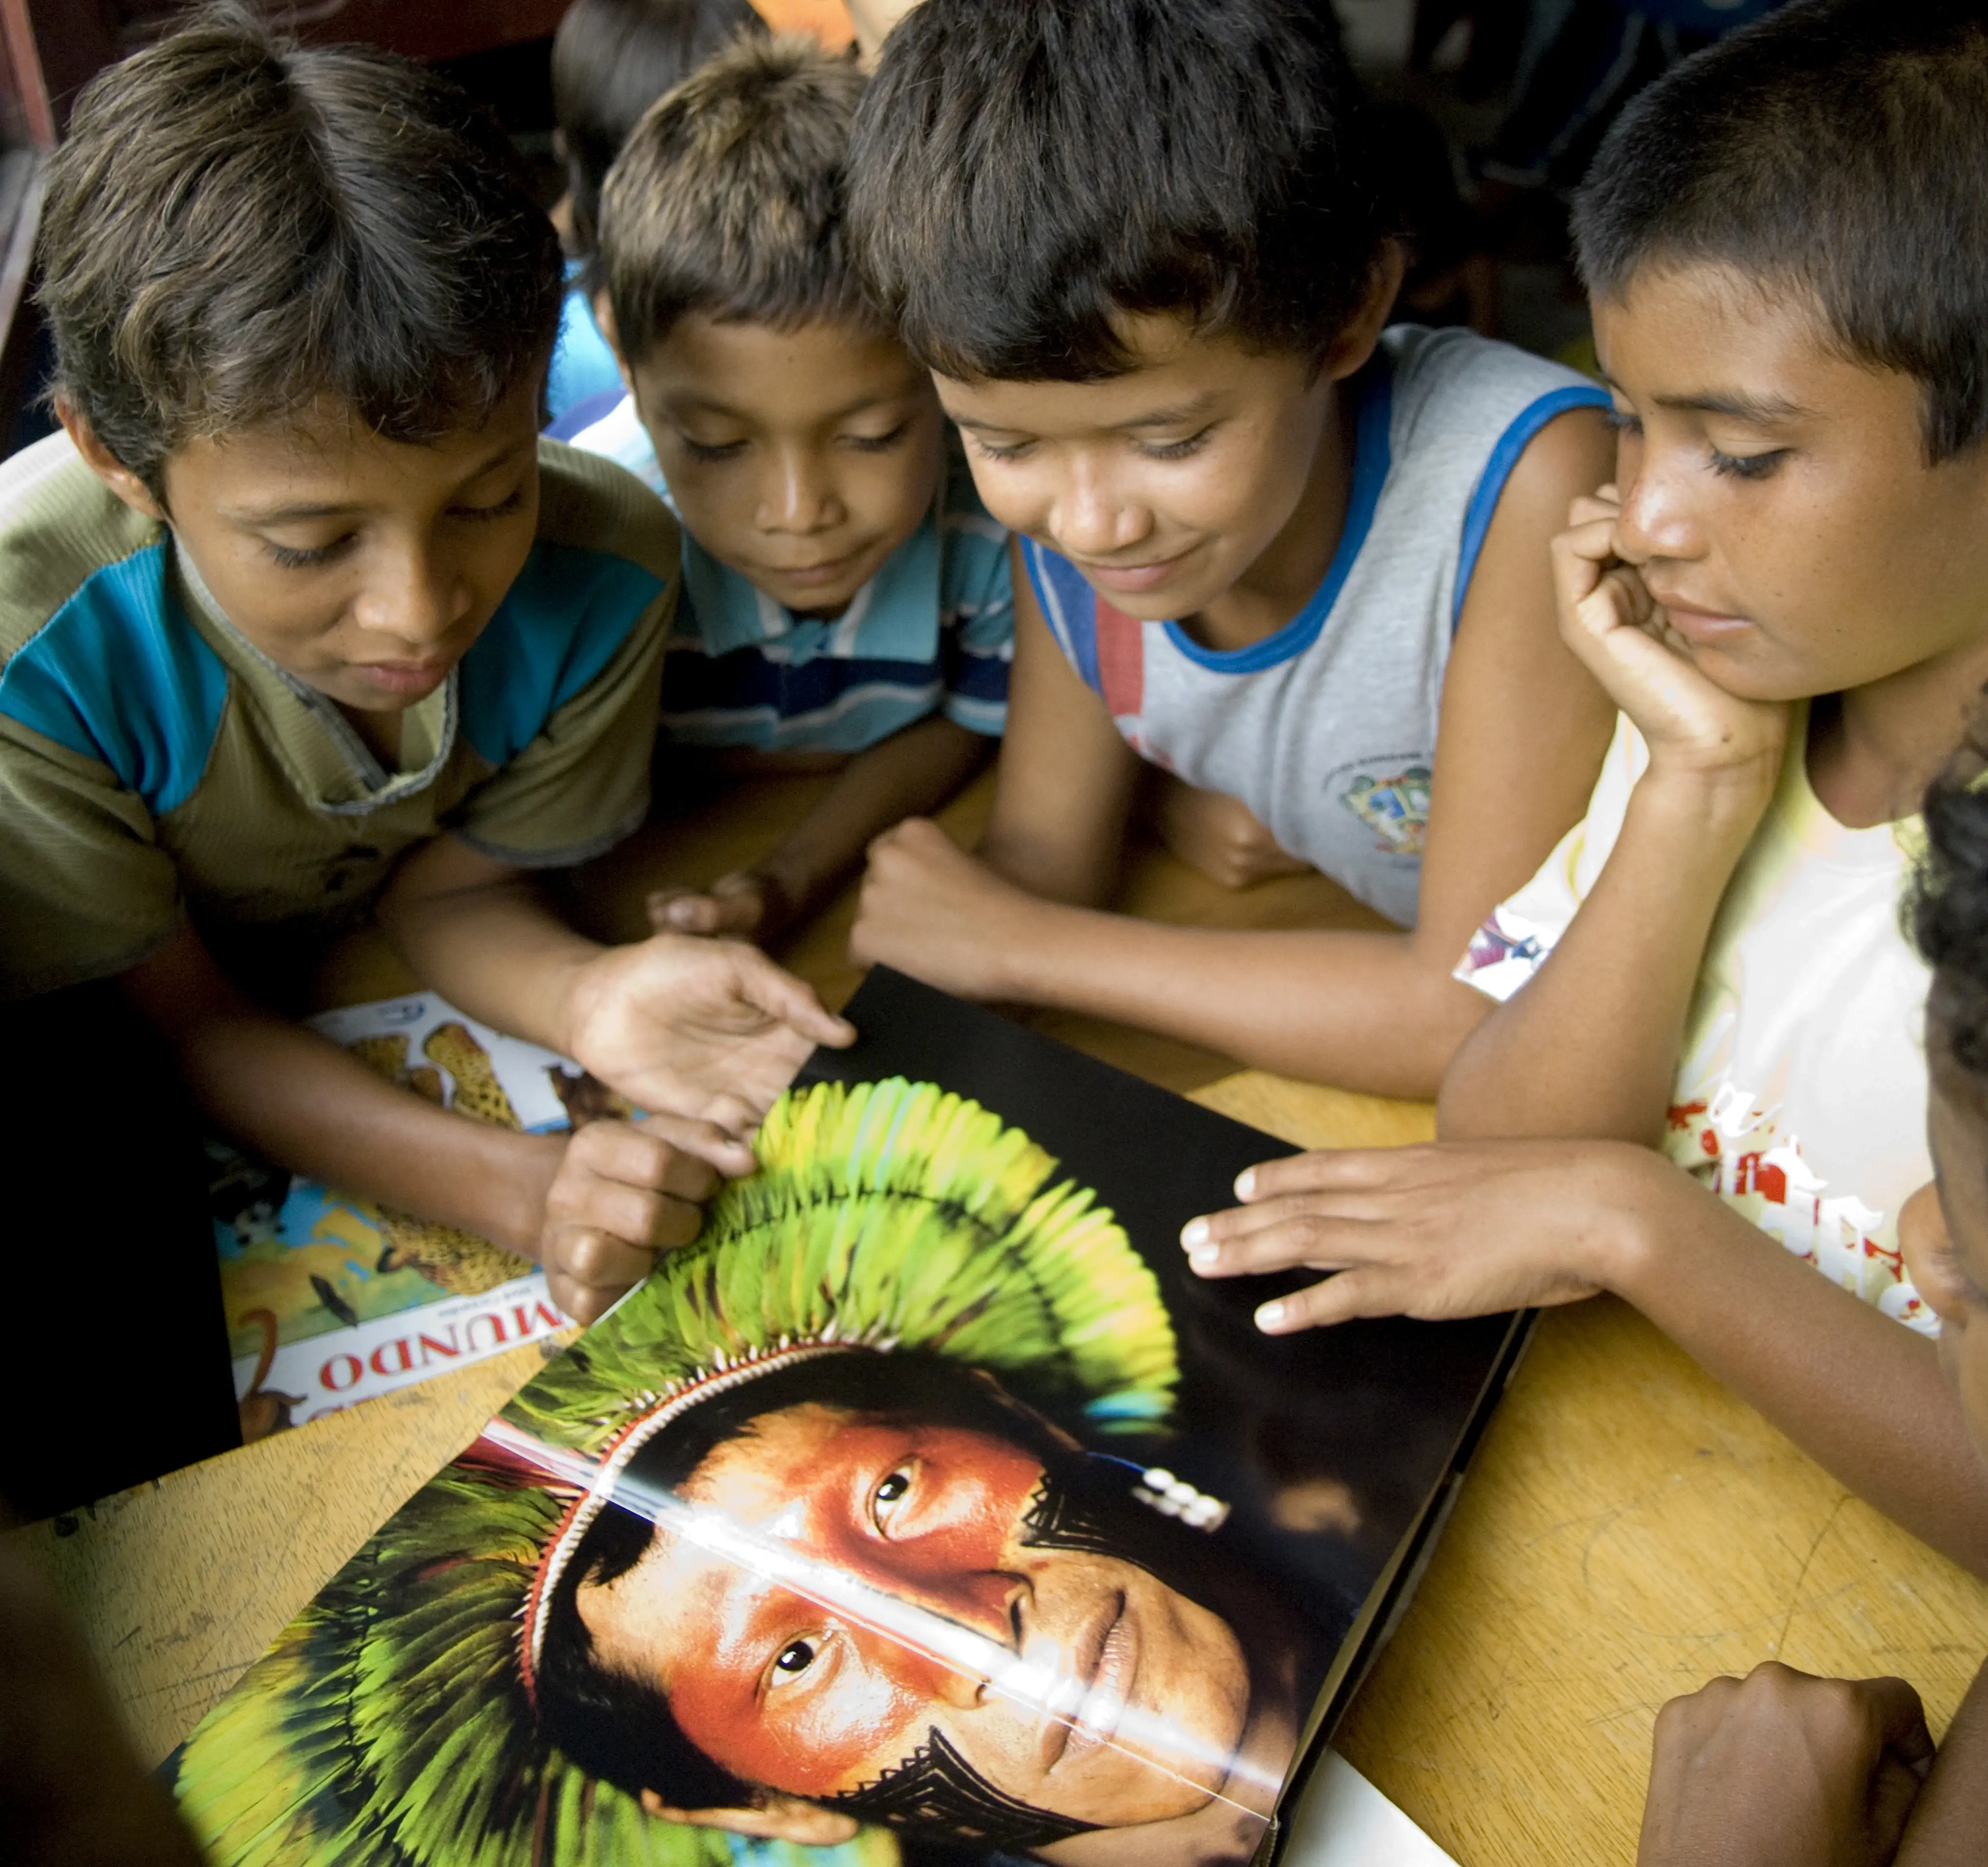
column 1498, row 467
column 1371, row 458
column 1069, row 606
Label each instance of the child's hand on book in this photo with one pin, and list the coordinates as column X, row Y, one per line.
column 1612, row 619
column 1780, row 1767
column 686, row 1025
column 625, row 1191
column 1436, row 1232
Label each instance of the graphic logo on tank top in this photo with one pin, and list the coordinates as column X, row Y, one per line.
column 1391, row 796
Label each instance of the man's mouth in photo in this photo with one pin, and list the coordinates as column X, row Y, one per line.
column 1088, row 1703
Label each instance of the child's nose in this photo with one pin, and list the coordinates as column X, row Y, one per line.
column 1090, row 519
column 416, row 598
column 1656, row 520
column 800, row 497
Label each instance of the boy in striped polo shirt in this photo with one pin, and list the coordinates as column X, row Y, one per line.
column 845, row 602
column 302, row 626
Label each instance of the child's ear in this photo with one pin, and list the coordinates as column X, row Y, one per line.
column 775, row 1818
column 604, row 318
column 1361, row 331
column 104, row 464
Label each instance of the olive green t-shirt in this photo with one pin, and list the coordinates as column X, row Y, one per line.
column 153, row 763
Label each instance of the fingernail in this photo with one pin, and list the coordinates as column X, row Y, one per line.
column 1246, row 1183
column 1270, row 1316
column 1194, row 1233
column 1205, row 1257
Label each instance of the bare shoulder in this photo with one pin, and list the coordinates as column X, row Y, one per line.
column 1574, row 454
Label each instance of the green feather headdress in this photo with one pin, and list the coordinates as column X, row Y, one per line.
column 390, row 1724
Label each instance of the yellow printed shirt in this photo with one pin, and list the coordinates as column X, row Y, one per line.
column 154, row 764
column 1800, row 1095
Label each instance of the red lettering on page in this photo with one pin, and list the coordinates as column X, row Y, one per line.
column 429, row 1347
column 327, row 1379
column 499, row 1335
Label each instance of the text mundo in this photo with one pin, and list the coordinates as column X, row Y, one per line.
column 481, row 1335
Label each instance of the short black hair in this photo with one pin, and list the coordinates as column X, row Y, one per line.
column 1947, row 904
column 236, row 226
column 1837, row 147
column 621, row 1730
column 612, row 59
column 1025, row 174
column 728, row 198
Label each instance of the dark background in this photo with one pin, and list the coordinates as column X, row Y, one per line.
column 1379, row 1408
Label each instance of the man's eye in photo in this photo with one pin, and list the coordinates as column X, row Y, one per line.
column 796, row 1656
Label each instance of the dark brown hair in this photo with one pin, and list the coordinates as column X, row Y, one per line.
column 1025, row 172
column 236, row 227
column 612, row 59
column 727, row 199
column 1839, row 147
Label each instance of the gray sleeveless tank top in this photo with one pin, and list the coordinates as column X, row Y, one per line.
column 1327, row 729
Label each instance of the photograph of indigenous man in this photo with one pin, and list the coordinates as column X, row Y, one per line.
column 1130, row 1695
column 840, row 1532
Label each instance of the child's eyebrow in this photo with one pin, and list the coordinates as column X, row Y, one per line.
column 1735, row 404
column 692, row 401
column 1188, row 410
column 339, row 509
column 1738, row 405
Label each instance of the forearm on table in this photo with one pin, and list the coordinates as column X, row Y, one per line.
column 495, row 951
column 1590, row 1046
column 312, row 1107
column 1948, row 1819
column 1364, row 1011
column 912, row 773
column 1861, row 1394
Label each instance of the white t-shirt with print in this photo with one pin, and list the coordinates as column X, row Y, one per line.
column 1801, row 1094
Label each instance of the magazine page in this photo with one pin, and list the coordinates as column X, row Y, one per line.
column 920, row 1507
column 331, row 1298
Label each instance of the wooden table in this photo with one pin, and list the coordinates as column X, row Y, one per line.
column 1628, row 1530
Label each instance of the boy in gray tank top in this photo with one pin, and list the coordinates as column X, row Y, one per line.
column 1290, row 557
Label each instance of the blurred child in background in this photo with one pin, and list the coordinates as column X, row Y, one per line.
column 612, row 59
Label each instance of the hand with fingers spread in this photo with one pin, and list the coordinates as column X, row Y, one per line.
column 1455, row 1229
column 745, row 904
column 1609, row 618
column 708, row 1029
column 1782, row 1770
column 625, row 1191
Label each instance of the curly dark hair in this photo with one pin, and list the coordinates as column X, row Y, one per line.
column 1948, row 906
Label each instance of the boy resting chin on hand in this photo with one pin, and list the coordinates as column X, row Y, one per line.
column 845, row 602
column 1786, row 594
column 302, row 624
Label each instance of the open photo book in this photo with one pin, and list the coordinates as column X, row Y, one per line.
column 925, row 1508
